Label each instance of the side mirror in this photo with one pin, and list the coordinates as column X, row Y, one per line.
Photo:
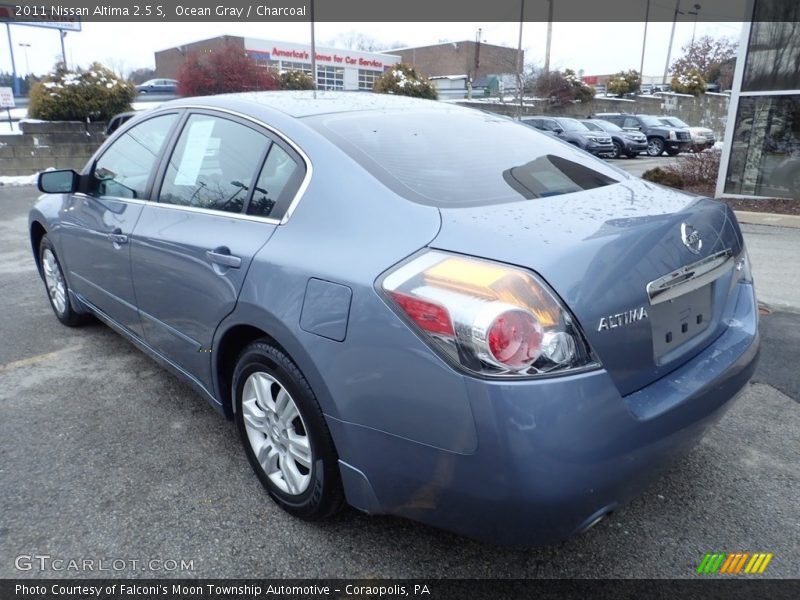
column 58, row 182
column 558, row 131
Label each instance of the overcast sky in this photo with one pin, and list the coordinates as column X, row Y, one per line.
column 597, row 48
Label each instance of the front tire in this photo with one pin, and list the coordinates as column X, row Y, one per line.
column 56, row 285
column 655, row 146
column 617, row 150
column 284, row 433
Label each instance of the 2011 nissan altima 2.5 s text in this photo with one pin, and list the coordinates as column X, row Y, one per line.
column 409, row 307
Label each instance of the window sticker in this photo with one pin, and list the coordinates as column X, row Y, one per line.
column 197, row 145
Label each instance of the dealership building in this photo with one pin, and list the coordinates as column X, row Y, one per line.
column 453, row 66
column 761, row 157
column 337, row 69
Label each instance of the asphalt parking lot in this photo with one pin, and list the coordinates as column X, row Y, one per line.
column 105, row 455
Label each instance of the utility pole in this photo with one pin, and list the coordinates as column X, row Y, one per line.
column 14, row 77
column 671, row 37
column 644, row 40
column 549, row 35
column 519, row 58
column 694, row 12
column 27, row 64
column 63, row 52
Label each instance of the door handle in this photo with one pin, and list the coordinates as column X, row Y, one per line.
column 222, row 256
column 117, row 237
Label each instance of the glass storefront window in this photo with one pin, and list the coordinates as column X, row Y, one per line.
column 765, row 157
column 330, row 78
column 367, row 79
column 773, row 54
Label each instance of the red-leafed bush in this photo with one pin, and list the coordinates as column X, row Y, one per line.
column 223, row 71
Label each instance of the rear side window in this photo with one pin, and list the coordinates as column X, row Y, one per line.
column 213, row 165
column 458, row 157
column 276, row 184
column 125, row 167
column 631, row 123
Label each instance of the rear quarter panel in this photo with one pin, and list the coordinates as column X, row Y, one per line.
column 348, row 229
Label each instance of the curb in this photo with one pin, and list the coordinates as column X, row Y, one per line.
column 771, row 219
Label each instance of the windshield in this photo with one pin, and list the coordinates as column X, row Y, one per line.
column 572, row 125
column 592, row 126
column 674, row 122
column 452, row 158
column 604, row 125
column 651, row 122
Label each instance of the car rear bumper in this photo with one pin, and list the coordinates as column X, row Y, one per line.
column 553, row 455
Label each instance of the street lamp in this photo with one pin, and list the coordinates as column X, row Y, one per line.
column 27, row 66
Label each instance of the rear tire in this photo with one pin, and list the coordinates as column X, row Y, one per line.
column 284, row 433
column 673, row 152
column 655, row 146
column 56, row 285
column 632, row 155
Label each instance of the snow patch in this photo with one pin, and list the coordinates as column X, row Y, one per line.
column 20, row 180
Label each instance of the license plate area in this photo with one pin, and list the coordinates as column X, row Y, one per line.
column 677, row 321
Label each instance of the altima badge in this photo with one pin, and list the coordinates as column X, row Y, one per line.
column 620, row 319
column 691, row 238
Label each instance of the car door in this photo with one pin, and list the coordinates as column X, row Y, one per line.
column 96, row 224
column 192, row 247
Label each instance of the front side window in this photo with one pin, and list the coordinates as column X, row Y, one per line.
column 125, row 168
column 630, row 123
column 213, row 164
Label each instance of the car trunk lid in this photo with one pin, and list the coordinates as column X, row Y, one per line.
column 601, row 249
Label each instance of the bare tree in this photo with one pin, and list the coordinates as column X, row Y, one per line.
column 707, row 55
column 357, row 40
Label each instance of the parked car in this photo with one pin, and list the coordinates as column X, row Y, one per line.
column 600, row 89
column 410, row 307
column 628, row 143
column 573, row 132
column 116, row 121
column 646, row 88
column 660, row 137
column 158, row 86
column 702, row 137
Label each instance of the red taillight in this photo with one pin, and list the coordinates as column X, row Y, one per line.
column 515, row 339
column 485, row 317
column 429, row 316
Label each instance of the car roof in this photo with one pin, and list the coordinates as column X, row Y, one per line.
column 301, row 104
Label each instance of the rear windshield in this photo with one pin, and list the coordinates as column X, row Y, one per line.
column 452, row 158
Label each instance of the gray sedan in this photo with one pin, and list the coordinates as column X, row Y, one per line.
column 409, row 307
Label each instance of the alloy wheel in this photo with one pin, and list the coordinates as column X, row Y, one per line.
column 655, row 147
column 54, row 280
column 276, row 433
